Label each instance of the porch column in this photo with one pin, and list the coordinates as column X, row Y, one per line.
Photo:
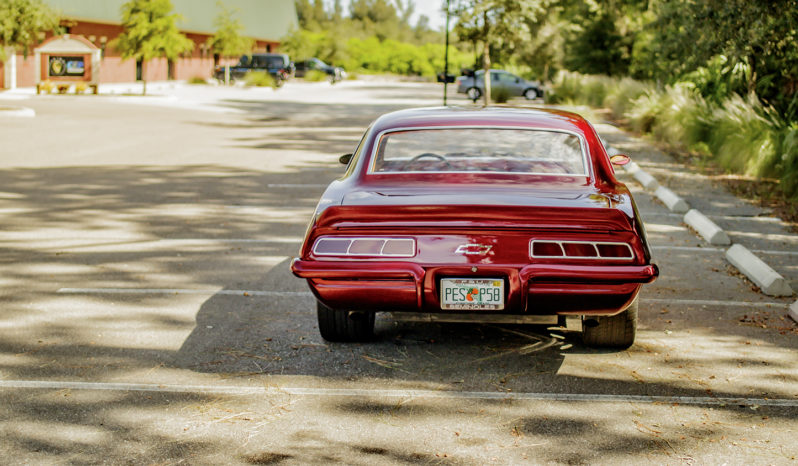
column 10, row 71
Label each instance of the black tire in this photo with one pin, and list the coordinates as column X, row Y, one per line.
column 530, row 94
column 473, row 93
column 616, row 331
column 337, row 325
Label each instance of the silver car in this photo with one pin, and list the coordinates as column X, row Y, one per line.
column 474, row 86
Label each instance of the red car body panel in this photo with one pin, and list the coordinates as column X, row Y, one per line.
column 499, row 215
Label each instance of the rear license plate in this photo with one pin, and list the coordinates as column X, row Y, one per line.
column 472, row 294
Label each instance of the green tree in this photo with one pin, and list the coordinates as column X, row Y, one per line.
column 228, row 41
column 762, row 36
column 497, row 23
column 21, row 23
column 150, row 31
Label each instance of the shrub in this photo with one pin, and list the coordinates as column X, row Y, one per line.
column 197, row 80
column 63, row 88
column 80, row 88
column 500, row 95
column 260, row 79
column 315, row 76
column 739, row 134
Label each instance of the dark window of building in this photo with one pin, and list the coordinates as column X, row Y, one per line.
column 170, row 70
column 215, row 59
column 139, row 69
column 268, row 48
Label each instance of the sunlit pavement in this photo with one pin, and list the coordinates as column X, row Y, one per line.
column 147, row 313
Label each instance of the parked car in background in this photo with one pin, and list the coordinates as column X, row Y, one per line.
column 473, row 85
column 497, row 214
column 334, row 73
column 278, row 65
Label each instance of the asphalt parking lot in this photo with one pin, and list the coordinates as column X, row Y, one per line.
column 147, row 313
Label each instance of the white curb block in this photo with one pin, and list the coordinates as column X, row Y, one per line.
column 793, row 312
column 631, row 168
column 24, row 112
column 706, row 228
column 767, row 279
column 646, row 180
column 670, row 199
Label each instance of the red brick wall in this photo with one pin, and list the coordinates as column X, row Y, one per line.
column 26, row 71
column 2, row 75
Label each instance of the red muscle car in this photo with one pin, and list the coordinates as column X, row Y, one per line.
column 506, row 215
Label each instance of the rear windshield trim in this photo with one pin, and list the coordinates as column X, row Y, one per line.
column 378, row 140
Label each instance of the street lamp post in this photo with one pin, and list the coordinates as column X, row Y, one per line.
column 446, row 57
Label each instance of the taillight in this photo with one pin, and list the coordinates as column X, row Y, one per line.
column 364, row 247
column 547, row 249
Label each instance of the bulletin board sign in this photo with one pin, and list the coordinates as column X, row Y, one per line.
column 66, row 66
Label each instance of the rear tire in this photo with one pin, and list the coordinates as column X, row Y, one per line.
column 473, row 93
column 616, row 331
column 340, row 326
column 530, row 94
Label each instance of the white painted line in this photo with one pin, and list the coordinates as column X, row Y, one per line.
column 687, row 248
column 646, row 180
column 716, row 250
column 180, row 291
column 731, row 218
column 706, row 228
column 711, row 302
column 296, row 185
column 672, row 201
column 793, row 312
column 767, row 279
column 383, row 393
column 308, row 294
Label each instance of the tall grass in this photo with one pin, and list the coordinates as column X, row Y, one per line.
column 740, row 134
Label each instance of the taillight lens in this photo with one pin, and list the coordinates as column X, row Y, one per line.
column 364, row 247
column 549, row 249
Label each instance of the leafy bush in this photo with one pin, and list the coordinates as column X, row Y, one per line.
column 80, row 87
column 260, row 79
column 197, row 80
column 500, row 95
column 315, row 76
column 740, row 134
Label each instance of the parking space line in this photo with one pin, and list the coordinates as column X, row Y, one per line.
column 173, row 291
column 386, row 393
column 721, row 250
column 180, row 291
column 712, row 302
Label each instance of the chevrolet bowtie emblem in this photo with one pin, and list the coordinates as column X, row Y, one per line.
column 473, row 249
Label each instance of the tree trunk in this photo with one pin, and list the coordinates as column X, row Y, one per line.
column 486, row 58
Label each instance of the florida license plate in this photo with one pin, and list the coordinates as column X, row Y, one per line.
column 472, row 294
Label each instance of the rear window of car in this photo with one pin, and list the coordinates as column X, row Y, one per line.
column 488, row 150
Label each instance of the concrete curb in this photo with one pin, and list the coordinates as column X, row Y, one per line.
column 671, row 200
column 631, row 168
column 24, row 112
column 646, row 180
column 767, row 279
column 793, row 312
column 706, row 228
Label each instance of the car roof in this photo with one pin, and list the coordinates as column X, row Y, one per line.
column 482, row 116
